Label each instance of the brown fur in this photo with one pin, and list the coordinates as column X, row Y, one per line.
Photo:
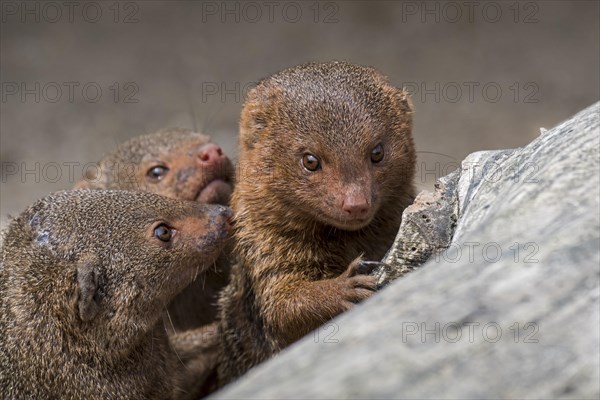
column 83, row 284
column 198, row 351
column 299, row 250
column 188, row 178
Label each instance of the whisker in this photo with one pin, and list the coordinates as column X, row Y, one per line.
column 170, row 320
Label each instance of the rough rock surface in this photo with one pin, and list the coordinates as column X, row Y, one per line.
column 426, row 230
column 510, row 310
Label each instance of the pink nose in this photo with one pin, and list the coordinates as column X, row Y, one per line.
column 210, row 153
column 355, row 206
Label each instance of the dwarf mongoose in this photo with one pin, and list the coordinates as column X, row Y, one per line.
column 84, row 278
column 181, row 164
column 177, row 163
column 326, row 168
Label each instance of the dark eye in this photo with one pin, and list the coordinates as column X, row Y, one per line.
column 157, row 172
column 377, row 153
column 311, row 163
column 163, row 232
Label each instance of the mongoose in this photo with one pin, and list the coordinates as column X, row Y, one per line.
column 177, row 163
column 84, row 278
column 326, row 164
column 181, row 164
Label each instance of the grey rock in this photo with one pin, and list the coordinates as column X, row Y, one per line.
column 511, row 309
column 426, row 230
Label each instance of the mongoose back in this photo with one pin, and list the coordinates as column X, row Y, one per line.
column 326, row 168
column 181, row 164
column 84, row 278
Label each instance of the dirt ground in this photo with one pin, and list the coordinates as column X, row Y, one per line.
column 78, row 78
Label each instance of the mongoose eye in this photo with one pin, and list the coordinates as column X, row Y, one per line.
column 157, row 172
column 311, row 163
column 163, row 232
column 377, row 153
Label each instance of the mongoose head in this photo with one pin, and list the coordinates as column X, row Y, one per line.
column 332, row 141
column 176, row 163
column 100, row 266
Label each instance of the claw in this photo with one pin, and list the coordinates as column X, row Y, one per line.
column 363, row 267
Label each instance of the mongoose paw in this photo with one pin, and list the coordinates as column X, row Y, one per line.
column 356, row 282
column 376, row 269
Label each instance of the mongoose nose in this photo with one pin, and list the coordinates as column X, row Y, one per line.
column 225, row 211
column 355, row 206
column 210, row 154
column 218, row 214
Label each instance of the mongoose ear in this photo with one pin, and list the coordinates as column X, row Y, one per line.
column 255, row 116
column 92, row 176
column 258, row 110
column 406, row 104
column 88, row 299
column 253, row 121
column 82, row 184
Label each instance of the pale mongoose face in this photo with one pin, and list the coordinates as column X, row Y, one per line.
column 332, row 140
column 176, row 163
column 102, row 265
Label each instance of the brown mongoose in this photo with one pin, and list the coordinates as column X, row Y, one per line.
column 181, row 164
column 84, row 278
column 326, row 167
column 177, row 163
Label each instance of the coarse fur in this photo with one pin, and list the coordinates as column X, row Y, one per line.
column 84, row 279
column 299, row 239
column 197, row 170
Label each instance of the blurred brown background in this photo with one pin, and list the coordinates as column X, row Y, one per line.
column 80, row 77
